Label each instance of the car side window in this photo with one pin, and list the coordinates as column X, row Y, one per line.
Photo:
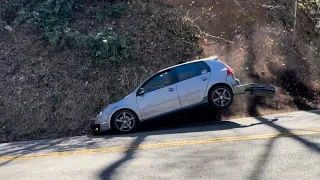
column 159, row 81
column 204, row 68
column 187, row 71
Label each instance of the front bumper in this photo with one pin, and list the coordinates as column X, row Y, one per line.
column 101, row 124
column 265, row 90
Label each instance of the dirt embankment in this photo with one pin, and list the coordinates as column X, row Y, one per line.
column 43, row 92
column 48, row 93
column 256, row 39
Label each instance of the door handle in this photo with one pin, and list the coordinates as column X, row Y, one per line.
column 204, row 79
column 171, row 89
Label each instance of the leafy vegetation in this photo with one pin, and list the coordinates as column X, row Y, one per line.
column 117, row 10
column 53, row 17
column 311, row 6
column 107, row 44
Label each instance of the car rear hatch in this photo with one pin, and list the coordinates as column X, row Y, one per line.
column 255, row 89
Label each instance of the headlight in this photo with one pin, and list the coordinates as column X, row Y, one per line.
column 99, row 114
column 105, row 110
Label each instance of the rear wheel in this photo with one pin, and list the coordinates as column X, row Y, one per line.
column 124, row 121
column 221, row 97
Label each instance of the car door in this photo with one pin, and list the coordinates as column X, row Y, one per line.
column 192, row 83
column 160, row 95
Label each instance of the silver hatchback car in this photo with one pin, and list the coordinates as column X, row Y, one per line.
column 175, row 88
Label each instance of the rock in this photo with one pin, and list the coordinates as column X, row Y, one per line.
column 9, row 28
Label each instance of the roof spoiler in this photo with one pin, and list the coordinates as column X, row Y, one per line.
column 214, row 57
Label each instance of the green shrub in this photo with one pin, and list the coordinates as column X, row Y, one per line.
column 8, row 11
column 107, row 46
column 118, row 10
column 112, row 10
column 52, row 18
column 2, row 23
column 99, row 15
column 102, row 47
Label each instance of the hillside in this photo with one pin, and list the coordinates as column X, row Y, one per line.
column 61, row 61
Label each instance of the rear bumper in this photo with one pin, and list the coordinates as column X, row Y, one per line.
column 265, row 90
column 231, row 80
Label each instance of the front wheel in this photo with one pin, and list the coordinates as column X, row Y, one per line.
column 221, row 97
column 124, row 121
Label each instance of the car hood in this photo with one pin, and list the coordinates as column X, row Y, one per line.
column 129, row 98
column 124, row 102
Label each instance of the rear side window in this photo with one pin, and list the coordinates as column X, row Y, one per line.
column 187, row 71
column 204, row 68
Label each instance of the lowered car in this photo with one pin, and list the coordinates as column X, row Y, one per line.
column 204, row 81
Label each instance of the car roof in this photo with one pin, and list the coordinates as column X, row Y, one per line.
column 204, row 59
column 163, row 70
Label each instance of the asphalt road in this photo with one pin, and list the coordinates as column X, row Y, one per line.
column 285, row 146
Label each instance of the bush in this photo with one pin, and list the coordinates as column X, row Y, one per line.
column 2, row 24
column 8, row 11
column 118, row 10
column 112, row 10
column 106, row 46
column 52, row 19
column 103, row 47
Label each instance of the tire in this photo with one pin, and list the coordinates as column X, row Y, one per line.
column 124, row 125
column 221, row 102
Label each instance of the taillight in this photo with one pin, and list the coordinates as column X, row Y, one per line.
column 229, row 71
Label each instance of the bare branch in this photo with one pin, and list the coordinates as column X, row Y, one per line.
column 216, row 37
column 209, row 35
column 272, row 7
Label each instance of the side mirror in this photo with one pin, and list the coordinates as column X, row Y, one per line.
column 140, row 92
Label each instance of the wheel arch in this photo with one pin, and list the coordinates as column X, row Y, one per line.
column 114, row 112
column 215, row 85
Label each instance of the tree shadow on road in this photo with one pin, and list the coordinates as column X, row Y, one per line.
column 312, row 146
column 315, row 112
column 18, row 150
column 262, row 161
column 253, row 111
column 110, row 171
column 209, row 121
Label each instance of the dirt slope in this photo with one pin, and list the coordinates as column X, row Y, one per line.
column 258, row 43
column 44, row 95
